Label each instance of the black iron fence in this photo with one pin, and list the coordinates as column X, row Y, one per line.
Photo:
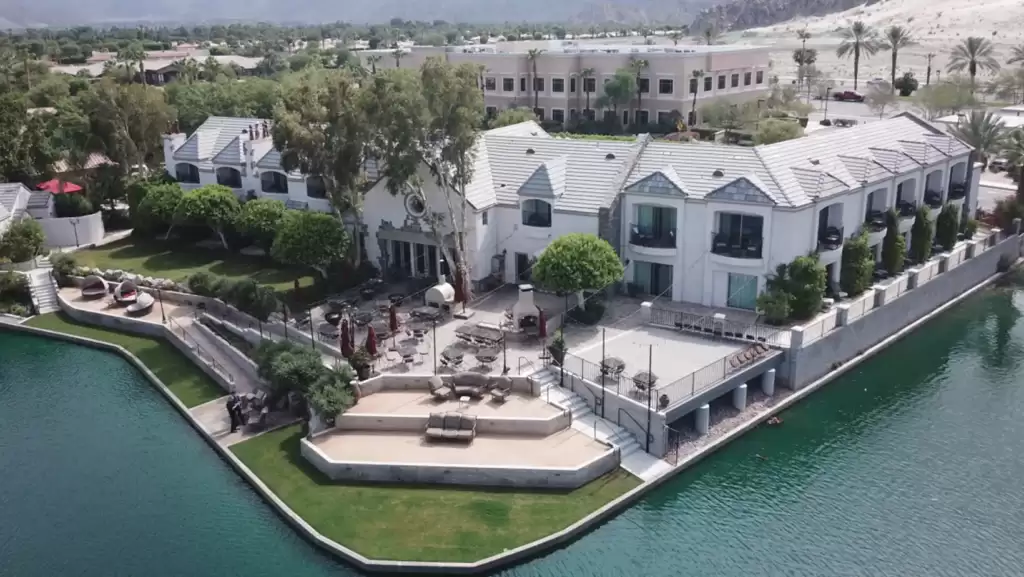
column 708, row 326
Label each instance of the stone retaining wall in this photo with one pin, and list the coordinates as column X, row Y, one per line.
column 484, row 425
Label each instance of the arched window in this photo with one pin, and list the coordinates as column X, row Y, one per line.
column 229, row 177
column 274, row 182
column 187, row 173
column 315, row 187
column 537, row 213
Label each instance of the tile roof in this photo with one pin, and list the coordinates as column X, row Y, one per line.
column 9, row 195
column 39, row 199
column 210, row 139
column 693, row 166
column 548, row 180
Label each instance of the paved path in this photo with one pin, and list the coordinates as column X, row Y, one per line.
column 213, row 418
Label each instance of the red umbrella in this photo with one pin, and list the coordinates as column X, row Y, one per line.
column 346, row 348
column 371, row 341
column 58, row 187
column 542, row 324
column 393, row 312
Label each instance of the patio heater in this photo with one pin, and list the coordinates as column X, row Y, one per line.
column 603, row 371
column 504, row 353
column 312, row 337
column 650, row 391
column 434, row 346
column 159, row 297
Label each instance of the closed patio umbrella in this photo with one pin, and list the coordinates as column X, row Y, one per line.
column 393, row 320
column 346, row 347
column 371, row 341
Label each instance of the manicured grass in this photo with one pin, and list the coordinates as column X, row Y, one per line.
column 181, row 376
column 175, row 262
column 418, row 523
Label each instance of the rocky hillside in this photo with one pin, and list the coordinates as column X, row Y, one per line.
column 743, row 14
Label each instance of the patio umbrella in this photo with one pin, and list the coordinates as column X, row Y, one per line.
column 371, row 341
column 393, row 320
column 59, row 187
column 346, row 350
column 460, row 289
column 542, row 324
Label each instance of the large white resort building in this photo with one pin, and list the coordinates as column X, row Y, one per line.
column 562, row 91
column 695, row 222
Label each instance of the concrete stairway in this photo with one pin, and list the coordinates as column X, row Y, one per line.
column 633, row 457
column 43, row 289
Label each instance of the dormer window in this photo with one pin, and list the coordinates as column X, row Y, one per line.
column 273, row 182
column 186, row 173
column 229, row 177
column 536, row 213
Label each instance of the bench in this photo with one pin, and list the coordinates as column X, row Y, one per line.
column 451, row 427
column 469, row 384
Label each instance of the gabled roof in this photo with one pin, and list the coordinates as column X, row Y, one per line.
column 210, row 139
column 818, row 183
column 895, row 161
column 548, row 180
column 743, row 189
column 663, row 181
column 861, row 170
column 232, row 154
column 13, row 196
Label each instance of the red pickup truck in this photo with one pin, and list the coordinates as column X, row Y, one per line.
column 848, row 96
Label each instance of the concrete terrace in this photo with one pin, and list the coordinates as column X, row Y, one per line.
column 566, row 448
column 415, row 402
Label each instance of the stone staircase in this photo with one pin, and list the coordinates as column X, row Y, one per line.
column 632, row 455
column 44, row 291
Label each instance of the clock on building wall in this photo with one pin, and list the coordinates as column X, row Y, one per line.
column 415, row 205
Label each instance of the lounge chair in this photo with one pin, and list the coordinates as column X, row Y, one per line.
column 438, row 389
column 469, row 384
column 94, row 287
column 501, row 388
column 141, row 307
column 126, row 293
column 451, row 427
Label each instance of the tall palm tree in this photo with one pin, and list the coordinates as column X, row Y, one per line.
column 586, row 74
column 710, row 34
column 675, row 36
column 698, row 74
column 131, row 54
column 372, row 60
column 1016, row 55
column 803, row 35
column 895, row 39
column 972, row 55
column 928, row 77
column 982, row 130
column 188, row 70
column 1012, row 150
column 531, row 57
column 858, row 39
column 637, row 66
column 398, row 55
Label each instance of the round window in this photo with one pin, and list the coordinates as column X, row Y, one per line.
column 415, row 204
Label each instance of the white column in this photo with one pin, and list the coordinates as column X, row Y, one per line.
column 702, row 419
column 768, row 382
column 739, row 397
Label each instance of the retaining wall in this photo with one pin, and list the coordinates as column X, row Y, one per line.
column 60, row 232
column 407, row 382
column 484, row 425
column 807, row 362
column 464, row 475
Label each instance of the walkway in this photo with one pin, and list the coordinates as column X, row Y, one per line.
column 213, row 418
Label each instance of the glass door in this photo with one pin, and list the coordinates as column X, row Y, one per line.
column 742, row 291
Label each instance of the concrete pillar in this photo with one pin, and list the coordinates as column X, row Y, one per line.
column 702, row 419
column 768, row 383
column 879, row 295
column 972, row 249
column 943, row 262
column 912, row 277
column 842, row 314
column 796, row 338
column 645, row 311
column 739, row 397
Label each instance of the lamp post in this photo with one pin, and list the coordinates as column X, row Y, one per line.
column 433, row 347
column 312, row 337
column 159, row 297
column 602, row 373
column 650, row 392
column 504, row 353
column 74, row 226
column 826, row 98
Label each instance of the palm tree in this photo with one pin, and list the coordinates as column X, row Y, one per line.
column 928, row 78
column 895, row 39
column 398, row 55
column 188, row 70
column 982, row 130
column 372, row 60
column 710, row 34
column 1016, row 55
column 1012, row 150
column 617, row 92
column 531, row 57
column 675, row 36
column 131, row 54
column 803, row 35
column 638, row 66
column 212, row 68
column 972, row 55
column 586, row 74
column 857, row 39
column 698, row 74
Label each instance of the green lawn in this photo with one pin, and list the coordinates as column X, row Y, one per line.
column 181, row 376
column 164, row 260
column 418, row 523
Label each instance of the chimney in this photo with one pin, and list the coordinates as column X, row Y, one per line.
column 247, row 152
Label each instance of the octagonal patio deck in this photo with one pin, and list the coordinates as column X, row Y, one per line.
column 418, row 402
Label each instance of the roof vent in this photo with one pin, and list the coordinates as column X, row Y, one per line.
column 815, row 161
column 529, row 151
column 718, row 173
column 609, row 156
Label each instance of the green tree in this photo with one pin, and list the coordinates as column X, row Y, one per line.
column 531, row 57
column 775, row 306
column 311, row 239
column 331, row 394
column 858, row 40
column 585, row 75
column 973, row 55
column 982, row 130
column 157, row 207
column 618, row 92
column 879, row 98
column 894, row 247
column 259, row 219
column 213, row 206
column 772, row 130
column 321, row 129
column 131, row 55
column 23, row 241
column 947, row 97
column 808, row 280
column 26, row 152
column 1012, row 149
column 638, row 66
column 696, row 75
column 921, row 236
column 128, row 123
column 511, row 116
column 857, row 265
column 728, row 117
column 947, row 225
column 576, row 262
column 894, row 39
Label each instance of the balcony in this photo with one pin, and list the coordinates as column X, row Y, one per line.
column 874, row 225
column 957, row 191
column 741, row 246
column 647, row 240
column 830, row 243
column 908, row 214
column 933, row 199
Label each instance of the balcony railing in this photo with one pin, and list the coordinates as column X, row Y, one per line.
column 957, row 191
column 874, row 221
column 906, row 208
column 736, row 246
column 933, row 198
column 830, row 239
column 650, row 238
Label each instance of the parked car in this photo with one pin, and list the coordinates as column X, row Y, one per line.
column 997, row 164
column 848, row 96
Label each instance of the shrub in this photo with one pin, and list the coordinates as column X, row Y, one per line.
column 857, row 266
column 71, row 205
column 970, row 227
column 894, row 247
column 16, row 309
column 906, row 84
column 557, row 348
column 921, row 236
column 808, row 280
column 64, row 265
column 774, row 305
column 116, row 220
column 14, row 288
column 202, row 283
column 946, row 226
column 23, row 241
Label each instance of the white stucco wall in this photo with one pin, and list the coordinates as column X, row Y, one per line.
column 515, row 237
column 60, row 232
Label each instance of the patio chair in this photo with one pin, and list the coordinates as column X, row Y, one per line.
column 468, row 384
column 501, row 388
column 94, row 287
column 438, row 389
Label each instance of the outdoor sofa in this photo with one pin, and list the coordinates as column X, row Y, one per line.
column 94, row 287
column 469, row 384
column 451, row 427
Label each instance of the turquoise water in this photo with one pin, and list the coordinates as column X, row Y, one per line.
column 909, row 465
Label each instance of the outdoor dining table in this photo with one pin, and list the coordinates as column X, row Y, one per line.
column 644, row 380
column 612, row 366
column 328, row 330
column 362, row 318
column 426, row 313
column 407, row 352
column 333, row 317
column 487, row 356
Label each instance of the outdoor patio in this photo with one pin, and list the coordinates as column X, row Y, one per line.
column 108, row 306
column 422, row 403
column 566, row 448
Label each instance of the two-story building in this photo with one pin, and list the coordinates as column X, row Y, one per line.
column 696, row 222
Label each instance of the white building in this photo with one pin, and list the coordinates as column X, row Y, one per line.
column 694, row 222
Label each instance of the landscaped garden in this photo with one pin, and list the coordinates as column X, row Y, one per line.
column 182, row 377
column 418, row 523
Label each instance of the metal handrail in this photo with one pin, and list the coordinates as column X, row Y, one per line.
column 650, row 437
column 210, row 359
